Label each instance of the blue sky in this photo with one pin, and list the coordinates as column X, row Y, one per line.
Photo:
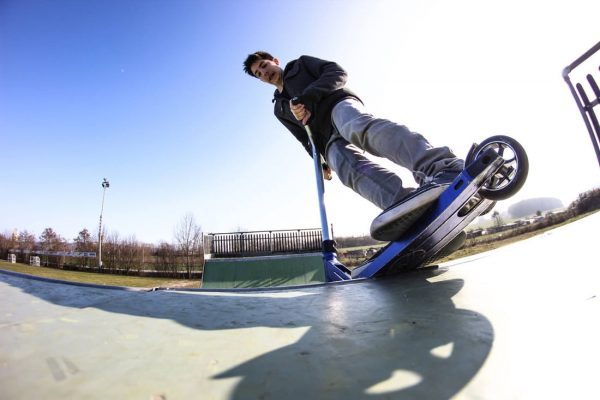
column 151, row 95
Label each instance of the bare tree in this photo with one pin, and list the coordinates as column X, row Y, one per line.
column 47, row 241
column 84, row 243
column 52, row 241
column 147, row 252
column 498, row 221
column 111, row 251
column 166, row 258
column 25, row 244
column 8, row 241
column 129, row 254
column 188, row 235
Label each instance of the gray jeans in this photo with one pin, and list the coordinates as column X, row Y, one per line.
column 358, row 130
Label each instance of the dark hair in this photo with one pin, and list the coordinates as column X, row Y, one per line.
column 254, row 57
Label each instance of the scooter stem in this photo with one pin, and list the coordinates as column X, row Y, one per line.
column 320, row 186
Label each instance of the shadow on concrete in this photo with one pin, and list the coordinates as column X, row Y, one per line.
column 400, row 337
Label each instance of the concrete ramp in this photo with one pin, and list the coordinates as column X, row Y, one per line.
column 521, row 322
column 269, row 271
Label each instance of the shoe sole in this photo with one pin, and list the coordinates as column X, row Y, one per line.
column 391, row 224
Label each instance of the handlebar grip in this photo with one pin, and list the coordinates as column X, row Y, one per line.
column 295, row 100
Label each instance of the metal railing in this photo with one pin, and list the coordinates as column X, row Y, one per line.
column 587, row 100
column 257, row 243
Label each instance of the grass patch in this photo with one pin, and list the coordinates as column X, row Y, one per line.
column 99, row 279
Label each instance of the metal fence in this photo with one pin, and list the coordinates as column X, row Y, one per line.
column 246, row 244
column 587, row 97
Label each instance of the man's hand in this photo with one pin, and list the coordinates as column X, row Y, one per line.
column 300, row 112
column 327, row 174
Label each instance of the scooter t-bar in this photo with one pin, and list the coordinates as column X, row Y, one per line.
column 334, row 270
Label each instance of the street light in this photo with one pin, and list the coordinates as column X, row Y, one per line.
column 105, row 185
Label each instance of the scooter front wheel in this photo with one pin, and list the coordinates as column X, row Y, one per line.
column 511, row 177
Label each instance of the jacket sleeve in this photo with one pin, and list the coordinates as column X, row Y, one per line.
column 298, row 132
column 329, row 77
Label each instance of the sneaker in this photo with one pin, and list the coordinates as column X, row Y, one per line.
column 393, row 222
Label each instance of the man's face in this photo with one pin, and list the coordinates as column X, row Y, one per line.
column 267, row 71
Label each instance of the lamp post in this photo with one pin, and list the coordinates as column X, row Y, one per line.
column 105, row 185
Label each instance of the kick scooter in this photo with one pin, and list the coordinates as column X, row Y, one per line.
column 494, row 170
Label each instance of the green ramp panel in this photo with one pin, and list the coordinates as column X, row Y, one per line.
column 268, row 271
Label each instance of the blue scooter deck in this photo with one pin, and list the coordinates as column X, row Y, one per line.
column 457, row 206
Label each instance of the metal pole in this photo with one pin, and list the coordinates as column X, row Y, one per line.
column 320, row 185
column 105, row 185
column 584, row 106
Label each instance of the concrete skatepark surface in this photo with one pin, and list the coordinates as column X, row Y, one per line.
column 521, row 322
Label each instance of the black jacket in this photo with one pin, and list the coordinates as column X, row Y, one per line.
column 319, row 85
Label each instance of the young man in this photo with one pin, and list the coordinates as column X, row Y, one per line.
column 343, row 129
